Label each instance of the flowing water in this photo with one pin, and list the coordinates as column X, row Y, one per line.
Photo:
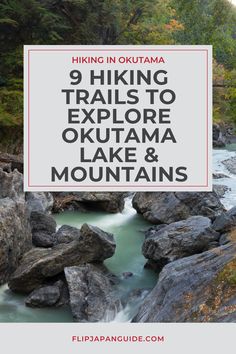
column 229, row 199
column 127, row 228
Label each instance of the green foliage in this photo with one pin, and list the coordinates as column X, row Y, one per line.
column 116, row 22
column 11, row 107
column 224, row 94
column 156, row 24
column 209, row 22
column 22, row 22
column 230, row 97
column 29, row 22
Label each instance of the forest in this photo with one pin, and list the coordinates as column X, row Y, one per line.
column 116, row 22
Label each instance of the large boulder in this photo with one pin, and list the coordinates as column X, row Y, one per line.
column 43, row 228
column 40, row 201
column 225, row 221
column 98, row 243
column 66, row 234
column 11, row 185
column 42, row 222
column 168, row 207
column 45, row 296
column 199, row 288
column 110, row 202
column 92, row 298
column 53, row 293
column 41, row 264
column 179, row 239
column 15, row 232
column 42, row 239
column 15, row 236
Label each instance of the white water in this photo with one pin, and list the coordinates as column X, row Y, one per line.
column 229, row 199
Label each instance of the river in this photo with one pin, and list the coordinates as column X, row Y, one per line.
column 128, row 229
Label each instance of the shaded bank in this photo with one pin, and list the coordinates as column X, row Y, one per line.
column 11, row 139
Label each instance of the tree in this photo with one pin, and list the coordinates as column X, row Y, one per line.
column 208, row 22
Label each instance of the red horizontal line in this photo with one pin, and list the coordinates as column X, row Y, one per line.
column 119, row 186
column 109, row 50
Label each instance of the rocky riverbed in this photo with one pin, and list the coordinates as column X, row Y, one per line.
column 79, row 268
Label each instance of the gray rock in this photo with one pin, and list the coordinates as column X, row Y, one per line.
column 46, row 296
column 226, row 221
column 154, row 266
column 66, row 234
column 15, row 236
column 64, row 292
column 127, row 275
column 42, row 222
column 42, row 239
column 219, row 175
column 218, row 144
column 168, row 207
column 230, row 164
column 229, row 236
column 6, row 167
column 15, row 161
column 15, row 233
column 218, row 136
column 41, row 264
column 96, row 242
column 224, row 239
column 11, row 185
column 43, row 229
column 179, row 239
column 200, row 288
column 223, row 133
column 220, row 189
column 111, row 202
column 40, row 201
column 91, row 294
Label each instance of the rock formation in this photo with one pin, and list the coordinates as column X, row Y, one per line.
column 200, row 288
column 41, row 264
column 15, row 233
column 168, row 207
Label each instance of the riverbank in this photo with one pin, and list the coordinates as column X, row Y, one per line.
column 127, row 264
